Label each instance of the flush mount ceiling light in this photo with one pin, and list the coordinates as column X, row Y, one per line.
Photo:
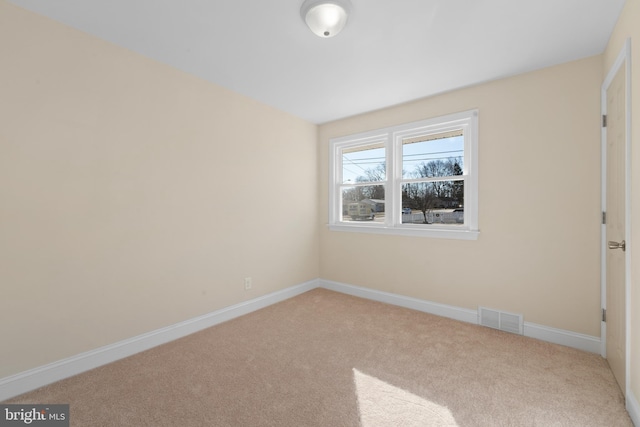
column 325, row 18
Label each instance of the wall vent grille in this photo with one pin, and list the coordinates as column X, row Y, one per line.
column 508, row 322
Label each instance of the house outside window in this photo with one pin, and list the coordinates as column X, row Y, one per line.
column 419, row 179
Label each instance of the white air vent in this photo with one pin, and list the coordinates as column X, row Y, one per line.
column 508, row 322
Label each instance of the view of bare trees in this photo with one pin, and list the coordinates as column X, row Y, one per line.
column 433, row 186
column 445, row 193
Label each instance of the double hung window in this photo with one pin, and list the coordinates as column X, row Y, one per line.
column 414, row 179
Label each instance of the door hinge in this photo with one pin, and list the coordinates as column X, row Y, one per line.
column 604, row 314
column 604, row 120
column 604, row 217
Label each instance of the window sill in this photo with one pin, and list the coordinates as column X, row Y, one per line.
column 439, row 232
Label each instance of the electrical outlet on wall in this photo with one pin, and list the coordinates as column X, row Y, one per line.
column 248, row 283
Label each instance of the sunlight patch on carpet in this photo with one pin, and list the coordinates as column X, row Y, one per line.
column 382, row 404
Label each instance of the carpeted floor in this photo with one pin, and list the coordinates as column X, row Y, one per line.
column 328, row 359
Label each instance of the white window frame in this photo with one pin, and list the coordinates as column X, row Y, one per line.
column 392, row 138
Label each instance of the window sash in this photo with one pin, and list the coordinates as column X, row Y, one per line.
column 393, row 139
column 433, row 179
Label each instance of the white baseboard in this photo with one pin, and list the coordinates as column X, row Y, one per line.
column 557, row 336
column 633, row 408
column 34, row 378
column 462, row 314
column 560, row 336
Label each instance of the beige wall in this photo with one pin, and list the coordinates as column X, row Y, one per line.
column 539, row 205
column 628, row 27
column 134, row 196
column 123, row 209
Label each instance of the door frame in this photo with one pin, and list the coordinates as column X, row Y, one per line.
column 623, row 59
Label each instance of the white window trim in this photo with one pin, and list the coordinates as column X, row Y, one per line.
column 392, row 137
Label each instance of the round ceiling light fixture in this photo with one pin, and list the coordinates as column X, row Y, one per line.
column 325, row 18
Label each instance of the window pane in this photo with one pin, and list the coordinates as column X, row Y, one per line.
column 439, row 202
column 364, row 163
column 433, row 155
column 363, row 203
column 422, row 171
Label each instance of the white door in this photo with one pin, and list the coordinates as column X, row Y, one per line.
column 615, row 225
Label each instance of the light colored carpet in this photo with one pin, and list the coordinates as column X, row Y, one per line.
column 328, row 359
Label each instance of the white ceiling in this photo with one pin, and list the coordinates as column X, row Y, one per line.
column 390, row 52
